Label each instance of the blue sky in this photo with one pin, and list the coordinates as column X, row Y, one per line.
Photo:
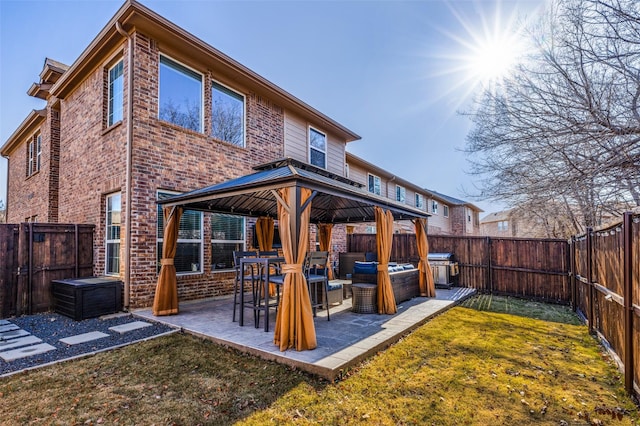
column 396, row 73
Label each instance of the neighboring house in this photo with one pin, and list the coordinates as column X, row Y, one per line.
column 449, row 216
column 499, row 224
column 3, row 216
column 113, row 139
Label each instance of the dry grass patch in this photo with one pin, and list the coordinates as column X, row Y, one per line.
column 463, row 367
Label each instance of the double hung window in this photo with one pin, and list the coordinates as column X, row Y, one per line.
column 115, row 94
column 317, row 148
column 189, row 254
column 374, row 184
column 400, row 193
column 34, row 154
column 227, row 236
column 113, row 223
column 419, row 201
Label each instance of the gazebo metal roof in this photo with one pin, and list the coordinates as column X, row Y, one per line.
column 336, row 198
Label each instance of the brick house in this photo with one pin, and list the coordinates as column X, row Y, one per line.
column 449, row 216
column 114, row 138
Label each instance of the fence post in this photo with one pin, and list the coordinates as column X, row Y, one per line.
column 572, row 273
column 591, row 313
column 489, row 270
column 77, row 250
column 628, row 302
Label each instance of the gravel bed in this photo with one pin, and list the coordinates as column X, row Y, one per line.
column 51, row 327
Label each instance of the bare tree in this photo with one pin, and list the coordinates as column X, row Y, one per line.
column 188, row 117
column 564, row 129
column 226, row 120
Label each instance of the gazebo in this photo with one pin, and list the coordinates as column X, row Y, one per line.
column 297, row 194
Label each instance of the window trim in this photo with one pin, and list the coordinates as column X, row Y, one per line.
column 370, row 175
column 110, row 110
column 202, row 92
column 244, row 112
column 34, row 154
column 445, row 210
column 326, row 147
column 107, row 241
column 434, row 207
column 420, row 197
column 401, row 192
column 181, row 240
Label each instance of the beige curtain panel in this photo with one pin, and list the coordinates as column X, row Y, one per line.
column 264, row 232
column 427, row 286
column 294, row 321
column 165, row 301
column 384, row 239
column 324, row 234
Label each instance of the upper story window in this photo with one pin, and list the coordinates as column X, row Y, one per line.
column 400, row 193
column 227, row 236
column 419, row 201
column 227, row 115
column 317, row 148
column 374, row 184
column 503, row 225
column 445, row 211
column 112, row 239
column 34, row 154
column 189, row 251
column 434, row 207
column 115, row 94
column 180, row 95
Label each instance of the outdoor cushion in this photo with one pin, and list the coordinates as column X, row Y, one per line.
column 407, row 266
column 365, row 267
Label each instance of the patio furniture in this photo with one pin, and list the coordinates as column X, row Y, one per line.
column 405, row 279
column 259, row 291
column 237, row 255
column 315, row 271
column 334, row 293
column 365, row 298
column 346, row 290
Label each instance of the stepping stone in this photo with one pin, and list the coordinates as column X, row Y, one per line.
column 8, row 327
column 20, row 341
column 130, row 326
column 13, row 334
column 83, row 338
column 26, row 351
column 5, row 322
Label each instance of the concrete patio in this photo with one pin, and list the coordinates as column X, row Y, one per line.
column 343, row 342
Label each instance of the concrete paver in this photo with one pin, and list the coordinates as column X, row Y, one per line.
column 20, row 341
column 83, row 338
column 130, row 326
column 26, row 351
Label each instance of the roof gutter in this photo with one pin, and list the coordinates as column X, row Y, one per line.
column 128, row 195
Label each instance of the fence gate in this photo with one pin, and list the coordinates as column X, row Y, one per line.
column 34, row 254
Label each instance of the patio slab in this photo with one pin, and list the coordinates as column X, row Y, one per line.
column 343, row 342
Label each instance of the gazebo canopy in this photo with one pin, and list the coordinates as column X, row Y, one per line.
column 336, row 199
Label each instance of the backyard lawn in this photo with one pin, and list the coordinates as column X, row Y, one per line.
column 467, row 366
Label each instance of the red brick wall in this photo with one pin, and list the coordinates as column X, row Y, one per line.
column 28, row 195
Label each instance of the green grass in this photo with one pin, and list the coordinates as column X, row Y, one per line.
column 463, row 367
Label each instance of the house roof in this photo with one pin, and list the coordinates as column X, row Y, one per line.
column 51, row 72
column 29, row 125
column 133, row 16
column 451, row 200
column 496, row 217
column 337, row 199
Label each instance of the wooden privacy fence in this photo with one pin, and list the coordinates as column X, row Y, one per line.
column 530, row 268
column 34, row 254
column 606, row 290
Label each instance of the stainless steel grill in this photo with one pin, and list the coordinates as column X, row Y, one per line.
column 444, row 269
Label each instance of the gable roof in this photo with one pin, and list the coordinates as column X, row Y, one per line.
column 133, row 16
column 452, row 201
column 29, row 125
column 337, row 199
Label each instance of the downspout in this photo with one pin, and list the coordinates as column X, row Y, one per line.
column 128, row 196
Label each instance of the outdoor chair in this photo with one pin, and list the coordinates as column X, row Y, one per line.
column 315, row 271
column 249, row 275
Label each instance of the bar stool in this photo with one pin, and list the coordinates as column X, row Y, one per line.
column 237, row 255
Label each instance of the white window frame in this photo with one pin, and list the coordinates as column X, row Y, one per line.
column 503, row 225
column 38, row 151
column 108, row 241
column 244, row 112
column 34, row 154
column 326, row 146
column 445, row 210
column 111, row 104
column 376, row 179
column 202, row 94
column 243, row 241
column 434, row 207
column 182, row 240
column 401, row 193
column 419, row 201
column 346, row 170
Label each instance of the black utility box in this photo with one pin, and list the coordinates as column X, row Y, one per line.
column 81, row 298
